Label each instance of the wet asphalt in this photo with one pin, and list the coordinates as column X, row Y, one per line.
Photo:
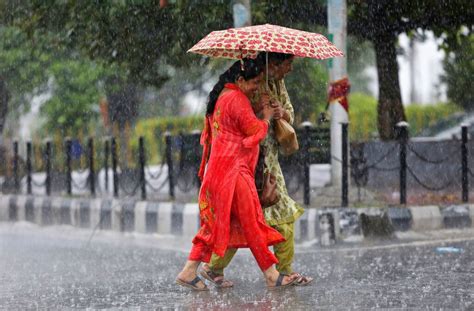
column 54, row 268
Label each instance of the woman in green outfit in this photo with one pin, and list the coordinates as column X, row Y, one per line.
column 281, row 216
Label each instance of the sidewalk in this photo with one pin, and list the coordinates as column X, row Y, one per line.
column 182, row 219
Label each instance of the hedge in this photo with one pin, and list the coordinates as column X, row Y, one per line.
column 363, row 123
column 363, row 116
column 153, row 131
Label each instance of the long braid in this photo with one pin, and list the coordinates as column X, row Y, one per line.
column 229, row 76
column 247, row 68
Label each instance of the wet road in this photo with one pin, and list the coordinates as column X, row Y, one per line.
column 53, row 268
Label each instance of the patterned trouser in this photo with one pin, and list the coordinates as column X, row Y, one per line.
column 284, row 252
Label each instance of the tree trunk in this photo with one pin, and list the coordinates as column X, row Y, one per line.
column 390, row 109
column 123, row 102
column 4, row 97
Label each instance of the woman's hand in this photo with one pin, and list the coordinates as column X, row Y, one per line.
column 268, row 112
column 279, row 111
column 264, row 100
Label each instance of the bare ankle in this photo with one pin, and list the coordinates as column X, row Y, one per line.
column 271, row 274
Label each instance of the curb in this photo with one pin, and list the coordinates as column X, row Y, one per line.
column 183, row 219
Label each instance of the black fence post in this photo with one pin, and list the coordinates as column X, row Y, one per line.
column 28, row 168
column 306, row 163
column 90, row 148
column 345, row 166
column 48, row 167
column 197, row 146
column 106, row 164
column 68, row 166
column 169, row 162
column 16, row 176
column 142, row 160
column 114, row 167
column 464, row 154
column 403, row 140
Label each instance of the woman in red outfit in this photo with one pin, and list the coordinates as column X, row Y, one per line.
column 230, row 212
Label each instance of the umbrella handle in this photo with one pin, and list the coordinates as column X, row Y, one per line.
column 266, row 71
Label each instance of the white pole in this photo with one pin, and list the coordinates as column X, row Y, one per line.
column 241, row 10
column 412, row 62
column 337, row 28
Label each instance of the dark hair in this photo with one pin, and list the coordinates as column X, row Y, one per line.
column 247, row 68
column 273, row 57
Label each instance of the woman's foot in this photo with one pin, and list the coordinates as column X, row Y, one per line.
column 301, row 280
column 217, row 279
column 276, row 279
column 189, row 278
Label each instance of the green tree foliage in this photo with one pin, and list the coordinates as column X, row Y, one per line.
column 381, row 21
column 140, row 35
column 144, row 38
column 459, row 70
column 22, row 74
column 303, row 14
column 77, row 91
column 307, row 87
column 198, row 79
column 360, row 55
column 26, row 64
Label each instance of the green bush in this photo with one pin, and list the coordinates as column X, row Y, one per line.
column 153, row 131
column 363, row 116
column 420, row 117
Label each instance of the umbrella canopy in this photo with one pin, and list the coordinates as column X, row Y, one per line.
column 237, row 43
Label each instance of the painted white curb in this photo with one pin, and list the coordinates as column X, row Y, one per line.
column 95, row 212
column 140, row 216
column 4, row 207
column 20, row 208
column 471, row 214
column 38, row 210
column 190, row 219
column 426, row 217
column 164, row 218
column 116, row 215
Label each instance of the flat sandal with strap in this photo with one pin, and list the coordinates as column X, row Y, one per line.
column 192, row 284
column 211, row 277
column 279, row 282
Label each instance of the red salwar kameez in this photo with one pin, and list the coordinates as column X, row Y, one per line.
column 230, row 212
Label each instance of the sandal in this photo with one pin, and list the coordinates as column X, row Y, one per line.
column 211, row 277
column 192, row 284
column 279, row 282
column 302, row 280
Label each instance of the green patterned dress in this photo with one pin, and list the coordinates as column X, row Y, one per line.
column 286, row 210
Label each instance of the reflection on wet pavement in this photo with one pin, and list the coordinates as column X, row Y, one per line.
column 39, row 271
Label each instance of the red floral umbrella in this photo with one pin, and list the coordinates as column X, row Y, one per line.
column 237, row 43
